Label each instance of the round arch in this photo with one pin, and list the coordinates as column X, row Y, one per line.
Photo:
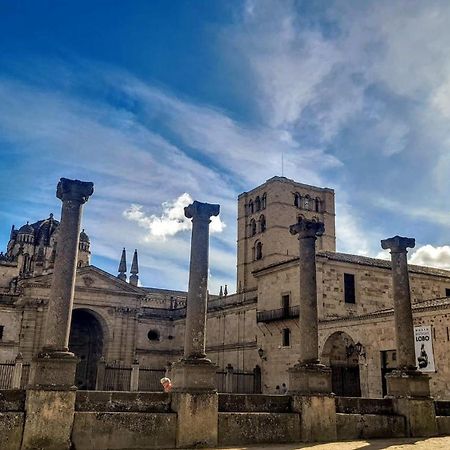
column 339, row 353
column 88, row 340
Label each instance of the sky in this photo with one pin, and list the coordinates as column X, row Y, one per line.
column 163, row 102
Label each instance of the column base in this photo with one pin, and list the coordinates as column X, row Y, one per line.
column 317, row 416
column 408, row 383
column 311, row 378
column 53, row 371
column 194, row 376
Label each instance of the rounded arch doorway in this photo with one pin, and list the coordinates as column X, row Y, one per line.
column 338, row 353
column 86, row 341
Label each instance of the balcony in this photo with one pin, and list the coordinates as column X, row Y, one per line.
column 277, row 314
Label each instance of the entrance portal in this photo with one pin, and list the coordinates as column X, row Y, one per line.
column 339, row 353
column 86, row 341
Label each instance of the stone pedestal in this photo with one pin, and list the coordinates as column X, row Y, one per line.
column 194, row 376
column 197, row 419
column 318, row 417
column 403, row 383
column 309, row 379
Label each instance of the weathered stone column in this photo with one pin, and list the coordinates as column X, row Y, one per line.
column 310, row 381
column 194, row 395
column 51, row 394
column 409, row 387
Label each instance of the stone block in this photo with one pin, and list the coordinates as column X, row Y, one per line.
column 49, row 419
column 310, row 379
column 318, row 417
column 358, row 405
column 254, row 403
column 408, row 384
column 348, row 426
column 11, row 428
column 194, row 375
column 12, row 400
column 419, row 414
column 197, row 419
column 443, row 425
column 258, row 428
column 120, row 430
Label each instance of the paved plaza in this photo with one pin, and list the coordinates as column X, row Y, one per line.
column 438, row 443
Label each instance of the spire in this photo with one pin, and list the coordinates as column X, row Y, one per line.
column 123, row 266
column 11, row 236
column 134, row 270
column 220, row 292
column 225, row 291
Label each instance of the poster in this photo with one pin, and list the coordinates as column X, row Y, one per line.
column 423, row 340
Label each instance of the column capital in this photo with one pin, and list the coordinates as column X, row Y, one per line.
column 75, row 190
column 398, row 244
column 307, row 228
column 201, row 211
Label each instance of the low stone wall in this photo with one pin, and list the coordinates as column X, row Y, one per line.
column 254, row 403
column 443, row 417
column 357, row 426
column 12, row 406
column 255, row 428
column 117, row 420
column 358, row 405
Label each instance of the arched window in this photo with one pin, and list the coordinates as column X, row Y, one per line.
column 264, row 201
column 26, row 261
column 262, row 223
column 307, row 202
column 257, row 204
column 297, row 200
column 250, row 207
column 252, row 227
column 258, row 251
column 317, row 205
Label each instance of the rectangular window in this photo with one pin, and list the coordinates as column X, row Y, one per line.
column 447, row 292
column 285, row 304
column 1, row 331
column 349, row 288
column 286, row 337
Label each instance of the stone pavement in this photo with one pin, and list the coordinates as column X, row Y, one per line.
column 437, row 443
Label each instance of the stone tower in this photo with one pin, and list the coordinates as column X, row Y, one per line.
column 264, row 216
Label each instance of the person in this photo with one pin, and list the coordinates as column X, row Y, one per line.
column 283, row 389
column 277, row 390
column 166, row 384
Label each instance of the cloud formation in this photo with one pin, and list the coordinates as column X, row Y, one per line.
column 429, row 255
column 172, row 219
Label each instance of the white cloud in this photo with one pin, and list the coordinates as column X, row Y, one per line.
column 172, row 219
column 429, row 255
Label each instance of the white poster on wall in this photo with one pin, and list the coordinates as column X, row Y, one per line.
column 424, row 349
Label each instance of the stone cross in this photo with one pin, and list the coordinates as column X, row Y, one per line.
column 307, row 231
column 200, row 213
column 404, row 327
column 73, row 194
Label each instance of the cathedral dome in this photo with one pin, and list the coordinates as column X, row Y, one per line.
column 44, row 229
column 26, row 229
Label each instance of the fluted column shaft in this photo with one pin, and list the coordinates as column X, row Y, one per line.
column 195, row 335
column 73, row 194
column 404, row 325
column 309, row 338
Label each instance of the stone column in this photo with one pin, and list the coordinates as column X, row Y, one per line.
column 409, row 387
column 310, row 381
column 194, row 395
column 50, row 400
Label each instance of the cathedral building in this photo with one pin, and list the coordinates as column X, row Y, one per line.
column 116, row 319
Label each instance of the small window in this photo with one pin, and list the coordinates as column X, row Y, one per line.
column 1, row 331
column 250, row 207
column 297, row 200
column 285, row 302
column 447, row 292
column 306, row 202
column 262, row 224
column 153, row 335
column 317, row 204
column 252, row 227
column 258, row 251
column 349, row 288
column 286, row 337
column 257, row 204
column 264, row 201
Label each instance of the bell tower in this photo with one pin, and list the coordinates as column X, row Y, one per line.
column 264, row 216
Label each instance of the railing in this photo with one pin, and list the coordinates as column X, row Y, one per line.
column 14, row 374
column 6, row 374
column 277, row 314
column 117, row 378
column 239, row 382
column 149, row 379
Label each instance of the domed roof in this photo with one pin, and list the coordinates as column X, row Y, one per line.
column 26, row 229
column 83, row 236
column 45, row 228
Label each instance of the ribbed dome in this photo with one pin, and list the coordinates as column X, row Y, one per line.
column 26, row 229
column 83, row 236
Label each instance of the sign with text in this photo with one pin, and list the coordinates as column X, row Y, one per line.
column 424, row 349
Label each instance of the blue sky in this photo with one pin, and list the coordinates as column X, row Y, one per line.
column 161, row 102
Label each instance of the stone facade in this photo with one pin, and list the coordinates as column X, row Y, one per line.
column 256, row 326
